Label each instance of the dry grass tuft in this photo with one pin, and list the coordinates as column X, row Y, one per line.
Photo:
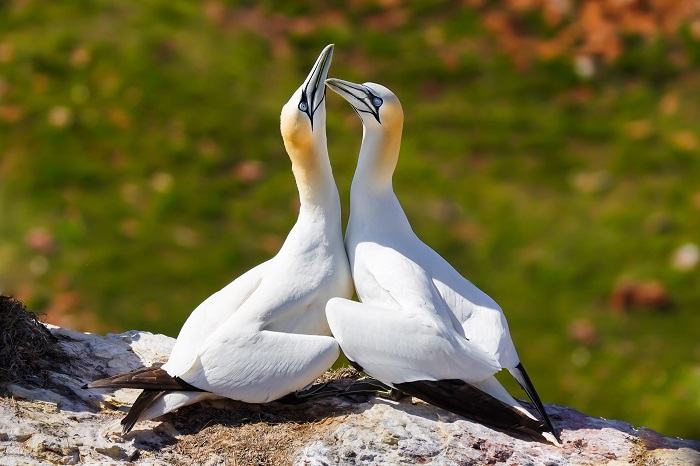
column 243, row 434
column 339, row 373
column 258, row 443
column 249, row 434
column 25, row 345
column 233, row 433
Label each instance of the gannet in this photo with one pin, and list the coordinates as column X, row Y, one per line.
column 265, row 334
column 420, row 327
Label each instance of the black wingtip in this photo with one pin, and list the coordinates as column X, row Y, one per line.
column 464, row 399
column 145, row 399
column 85, row 386
column 126, row 427
column 148, row 378
column 532, row 394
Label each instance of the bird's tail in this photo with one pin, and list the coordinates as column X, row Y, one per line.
column 161, row 393
column 153, row 403
column 524, row 380
column 465, row 399
column 145, row 399
column 149, row 378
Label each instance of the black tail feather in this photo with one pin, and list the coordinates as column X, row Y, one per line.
column 466, row 400
column 149, row 378
column 155, row 383
column 535, row 398
column 145, row 399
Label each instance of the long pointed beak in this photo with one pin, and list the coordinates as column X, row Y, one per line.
column 313, row 85
column 357, row 95
column 353, row 93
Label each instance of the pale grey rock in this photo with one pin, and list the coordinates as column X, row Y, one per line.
column 387, row 432
column 64, row 424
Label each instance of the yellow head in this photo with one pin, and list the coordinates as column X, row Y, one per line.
column 303, row 119
column 375, row 104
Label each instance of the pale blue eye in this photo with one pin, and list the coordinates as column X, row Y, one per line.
column 303, row 106
column 376, row 101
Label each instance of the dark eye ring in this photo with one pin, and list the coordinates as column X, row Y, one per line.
column 303, row 106
column 376, row 101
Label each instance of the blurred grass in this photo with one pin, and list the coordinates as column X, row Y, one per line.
column 141, row 169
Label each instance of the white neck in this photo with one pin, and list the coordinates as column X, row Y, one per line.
column 379, row 154
column 318, row 194
column 373, row 203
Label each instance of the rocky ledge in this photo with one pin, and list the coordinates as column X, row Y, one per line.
column 57, row 422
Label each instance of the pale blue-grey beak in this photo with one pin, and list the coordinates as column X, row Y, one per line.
column 313, row 92
column 362, row 99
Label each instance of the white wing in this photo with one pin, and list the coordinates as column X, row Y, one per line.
column 209, row 315
column 244, row 360
column 398, row 346
column 256, row 366
column 386, row 278
column 480, row 316
column 406, row 304
column 408, row 273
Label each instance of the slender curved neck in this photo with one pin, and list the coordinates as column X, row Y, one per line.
column 374, row 208
column 314, row 178
column 379, row 155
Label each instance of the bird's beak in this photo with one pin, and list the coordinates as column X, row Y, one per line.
column 357, row 95
column 313, row 85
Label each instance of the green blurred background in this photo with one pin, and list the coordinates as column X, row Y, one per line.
column 550, row 153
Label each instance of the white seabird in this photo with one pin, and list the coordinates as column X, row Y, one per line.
column 264, row 335
column 421, row 327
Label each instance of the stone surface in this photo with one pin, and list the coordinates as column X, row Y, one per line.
column 64, row 424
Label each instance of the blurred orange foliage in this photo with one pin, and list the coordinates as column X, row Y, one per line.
column 593, row 29
column 590, row 31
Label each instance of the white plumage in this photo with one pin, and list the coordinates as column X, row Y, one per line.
column 419, row 319
column 265, row 335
